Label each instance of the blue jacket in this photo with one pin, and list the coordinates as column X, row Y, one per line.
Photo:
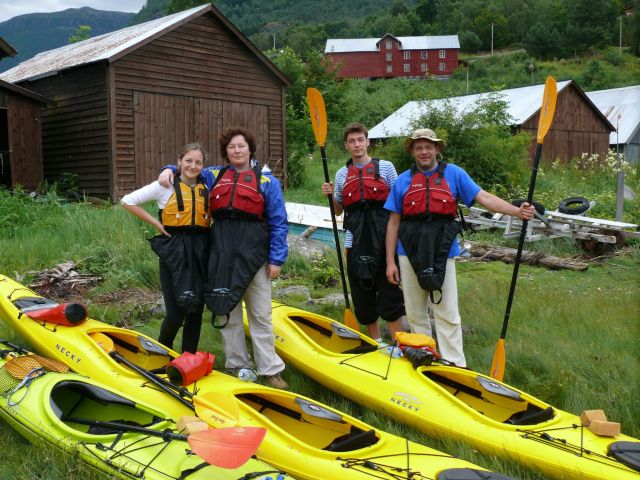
column 275, row 211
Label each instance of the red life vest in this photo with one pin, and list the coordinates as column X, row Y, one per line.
column 237, row 194
column 429, row 196
column 363, row 187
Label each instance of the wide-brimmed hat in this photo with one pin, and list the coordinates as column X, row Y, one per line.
column 427, row 134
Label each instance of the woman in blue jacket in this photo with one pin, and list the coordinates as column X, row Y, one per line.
column 248, row 245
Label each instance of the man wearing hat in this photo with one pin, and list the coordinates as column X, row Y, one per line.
column 361, row 189
column 422, row 203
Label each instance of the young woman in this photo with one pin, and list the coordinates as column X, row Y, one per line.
column 184, row 223
column 248, row 245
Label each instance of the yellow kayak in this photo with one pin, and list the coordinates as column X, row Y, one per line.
column 445, row 401
column 113, row 433
column 304, row 438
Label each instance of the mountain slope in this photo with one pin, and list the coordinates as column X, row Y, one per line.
column 37, row 32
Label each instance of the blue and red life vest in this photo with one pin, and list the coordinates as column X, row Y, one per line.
column 237, row 194
column 363, row 187
column 429, row 197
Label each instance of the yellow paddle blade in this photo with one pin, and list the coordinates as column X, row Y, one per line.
column 548, row 108
column 318, row 115
column 350, row 320
column 499, row 361
column 217, row 409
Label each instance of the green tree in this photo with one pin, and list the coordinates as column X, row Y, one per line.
column 590, row 24
column 469, row 41
column 426, row 10
column 634, row 29
column 543, row 41
column 398, row 8
column 83, row 32
column 175, row 6
column 487, row 20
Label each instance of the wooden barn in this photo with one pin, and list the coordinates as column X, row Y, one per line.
column 20, row 132
column 127, row 101
column 578, row 125
column 392, row 57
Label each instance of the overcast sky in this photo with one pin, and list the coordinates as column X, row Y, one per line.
column 13, row 8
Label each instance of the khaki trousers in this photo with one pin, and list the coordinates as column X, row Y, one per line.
column 446, row 315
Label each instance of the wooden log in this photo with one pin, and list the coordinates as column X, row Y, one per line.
column 508, row 255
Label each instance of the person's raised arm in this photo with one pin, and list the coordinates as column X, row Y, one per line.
column 391, row 245
column 496, row 204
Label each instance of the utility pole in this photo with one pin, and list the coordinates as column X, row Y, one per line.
column 492, row 39
column 620, row 177
column 620, row 49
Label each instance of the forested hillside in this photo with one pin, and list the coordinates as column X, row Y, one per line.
column 36, row 32
column 545, row 28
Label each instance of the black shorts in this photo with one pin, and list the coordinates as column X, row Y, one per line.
column 375, row 298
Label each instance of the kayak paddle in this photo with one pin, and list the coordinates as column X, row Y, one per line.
column 319, row 123
column 223, row 447
column 547, row 110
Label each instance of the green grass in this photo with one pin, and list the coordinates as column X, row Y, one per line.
column 572, row 339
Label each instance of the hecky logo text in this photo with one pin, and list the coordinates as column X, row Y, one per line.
column 68, row 353
column 406, row 400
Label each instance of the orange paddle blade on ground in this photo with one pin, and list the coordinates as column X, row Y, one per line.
column 227, row 447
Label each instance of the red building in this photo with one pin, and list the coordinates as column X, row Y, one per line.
column 390, row 56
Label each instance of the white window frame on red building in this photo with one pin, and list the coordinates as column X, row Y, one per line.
column 407, row 54
column 424, row 54
column 442, row 54
column 406, row 67
column 442, row 67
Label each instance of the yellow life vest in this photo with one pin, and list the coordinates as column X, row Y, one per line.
column 187, row 207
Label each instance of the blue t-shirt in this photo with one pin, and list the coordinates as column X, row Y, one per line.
column 462, row 187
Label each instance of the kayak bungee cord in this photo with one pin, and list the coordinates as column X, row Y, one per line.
column 371, row 463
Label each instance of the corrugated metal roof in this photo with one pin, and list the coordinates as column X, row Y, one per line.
column 344, row 45
column 623, row 101
column 522, row 104
column 103, row 47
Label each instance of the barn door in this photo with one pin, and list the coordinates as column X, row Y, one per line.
column 253, row 117
column 163, row 125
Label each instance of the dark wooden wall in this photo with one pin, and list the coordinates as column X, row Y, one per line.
column 577, row 128
column 187, row 86
column 74, row 132
column 23, row 138
column 116, row 124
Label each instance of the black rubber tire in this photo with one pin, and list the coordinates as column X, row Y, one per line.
column 574, row 205
column 537, row 205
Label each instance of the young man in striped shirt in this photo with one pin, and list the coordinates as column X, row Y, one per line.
column 361, row 189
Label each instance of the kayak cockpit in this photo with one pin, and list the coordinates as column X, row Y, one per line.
column 333, row 336
column 489, row 397
column 310, row 423
column 135, row 348
column 77, row 404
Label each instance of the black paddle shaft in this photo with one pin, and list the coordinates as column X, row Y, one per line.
column 162, row 384
column 123, row 427
column 523, row 232
column 336, row 237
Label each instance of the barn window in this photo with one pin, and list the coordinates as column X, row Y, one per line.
column 389, row 68
column 406, row 67
column 442, row 67
column 443, row 54
column 389, row 56
column 388, row 44
column 407, row 55
column 423, row 54
column 423, row 67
